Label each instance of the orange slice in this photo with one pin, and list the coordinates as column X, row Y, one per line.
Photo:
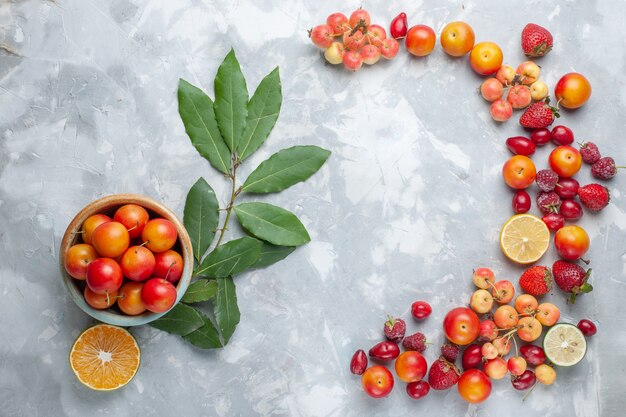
column 524, row 238
column 105, row 357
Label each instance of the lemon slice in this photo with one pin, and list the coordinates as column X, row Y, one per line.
column 105, row 357
column 564, row 344
column 524, row 238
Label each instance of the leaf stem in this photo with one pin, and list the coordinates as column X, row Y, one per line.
column 229, row 207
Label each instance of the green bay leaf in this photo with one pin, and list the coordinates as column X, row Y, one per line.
column 263, row 110
column 230, row 258
column 270, row 254
column 196, row 111
column 205, row 337
column 272, row 224
column 201, row 217
column 231, row 100
column 225, row 307
column 200, row 290
column 286, row 168
column 180, row 320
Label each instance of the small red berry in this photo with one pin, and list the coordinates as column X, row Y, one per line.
column 421, row 309
column 587, row 327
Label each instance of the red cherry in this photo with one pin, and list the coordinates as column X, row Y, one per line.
column 540, row 136
column 570, row 210
column 567, row 188
column 519, row 145
column 554, row 221
column 417, row 389
column 398, row 27
column 421, row 309
column 358, row 364
column 587, row 327
column 562, row 135
column 534, row 355
column 472, row 357
column 524, row 381
column 521, row 201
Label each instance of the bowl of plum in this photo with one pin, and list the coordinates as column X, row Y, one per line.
column 126, row 259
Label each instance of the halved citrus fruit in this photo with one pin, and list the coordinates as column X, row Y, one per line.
column 564, row 344
column 105, row 357
column 524, row 238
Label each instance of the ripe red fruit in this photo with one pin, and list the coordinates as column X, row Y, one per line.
column 570, row 210
column 358, row 364
column 110, row 239
column 587, row 327
column 398, row 27
column 567, row 188
column 519, row 145
column 548, row 202
column 539, row 114
column 590, row 152
column 411, row 366
column 168, row 265
column 604, row 168
column 562, row 135
column 534, row 355
column 461, row 326
column 540, row 136
column 416, row 341
column 536, row 40
column 385, row 351
column 159, row 235
column 158, row 295
column 472, row 357
column 77, row 259
column 536, row 280
column 421, row 310
column 137, row 263
column 524, row 381
column 133, row 217
column 377, row 381
column 450, row 352
column 359, row 17
column 474, row 386
column 338, row 22
column 417, row 389
column 594, row 196
column 571, row 278
column 394, row 329
column 321, row 36
column 521, row 201
column 546, row 180
column 104, row 275
column 443, row 374
column 554, row 221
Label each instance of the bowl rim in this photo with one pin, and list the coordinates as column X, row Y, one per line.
column 108, row 203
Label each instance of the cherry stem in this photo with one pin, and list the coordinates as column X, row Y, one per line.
column 498, row 296
column 169, row 269
column 516, row 350
column 528, row 393
column 360, row 25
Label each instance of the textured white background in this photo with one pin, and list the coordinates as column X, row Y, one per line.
column 408, row 204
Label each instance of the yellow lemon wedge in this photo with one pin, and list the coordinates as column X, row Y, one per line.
column 524, row 238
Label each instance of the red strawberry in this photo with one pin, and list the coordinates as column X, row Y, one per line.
column 540, row 114
column 604, row 168
column 415, row 341
column 590, row 152
column 443, row 374
column 536, row 280
column 536, row 40
column 571, row 278
column 450, row 352
column 395, row 329
column 594, row 196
